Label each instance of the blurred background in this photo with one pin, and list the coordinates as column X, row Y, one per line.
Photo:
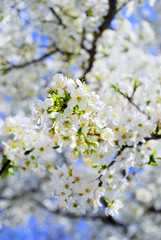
column 31, row 51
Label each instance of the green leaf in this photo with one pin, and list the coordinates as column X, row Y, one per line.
column 105, row 54
column 7, row 167
column 4, row 174
column 89, row 13
column 108, row 201
column 135, row 84
column 116, row 87
column 89, row 200
column 65, row 137
column 57, row 5
column 153, row 163
column 10, row 170
column 4, row 160
column 27, row 163
column 148, row 102
column 154, row 152
column 152, row 159
column 79, row 131
column 93, row 151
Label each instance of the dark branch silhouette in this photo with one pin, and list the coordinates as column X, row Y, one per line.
column 37, row 60
column 92, row 52
column 105, row 25
column 132, row 102
column 29, row 62
column 60, row 22
column 152, row 137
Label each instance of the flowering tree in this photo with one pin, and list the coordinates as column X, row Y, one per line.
column 80, row 107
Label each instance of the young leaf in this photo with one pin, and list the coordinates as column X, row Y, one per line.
column 152, row 159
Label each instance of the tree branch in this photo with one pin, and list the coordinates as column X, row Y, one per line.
column 57, row 16
column 152, row 137
column 153, row 210
column 131, row 101
column 25, row 64
column 122, row 6
column 105, row 24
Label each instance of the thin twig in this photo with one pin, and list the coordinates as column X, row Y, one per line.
column 37, row 60
column 29, row 62
column 146, row 139
column 57, row 16
column 131, row 101
column 122, row 6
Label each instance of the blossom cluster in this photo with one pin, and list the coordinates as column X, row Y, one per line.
column 75, row 118
column 27, row 147
column 76, row 190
